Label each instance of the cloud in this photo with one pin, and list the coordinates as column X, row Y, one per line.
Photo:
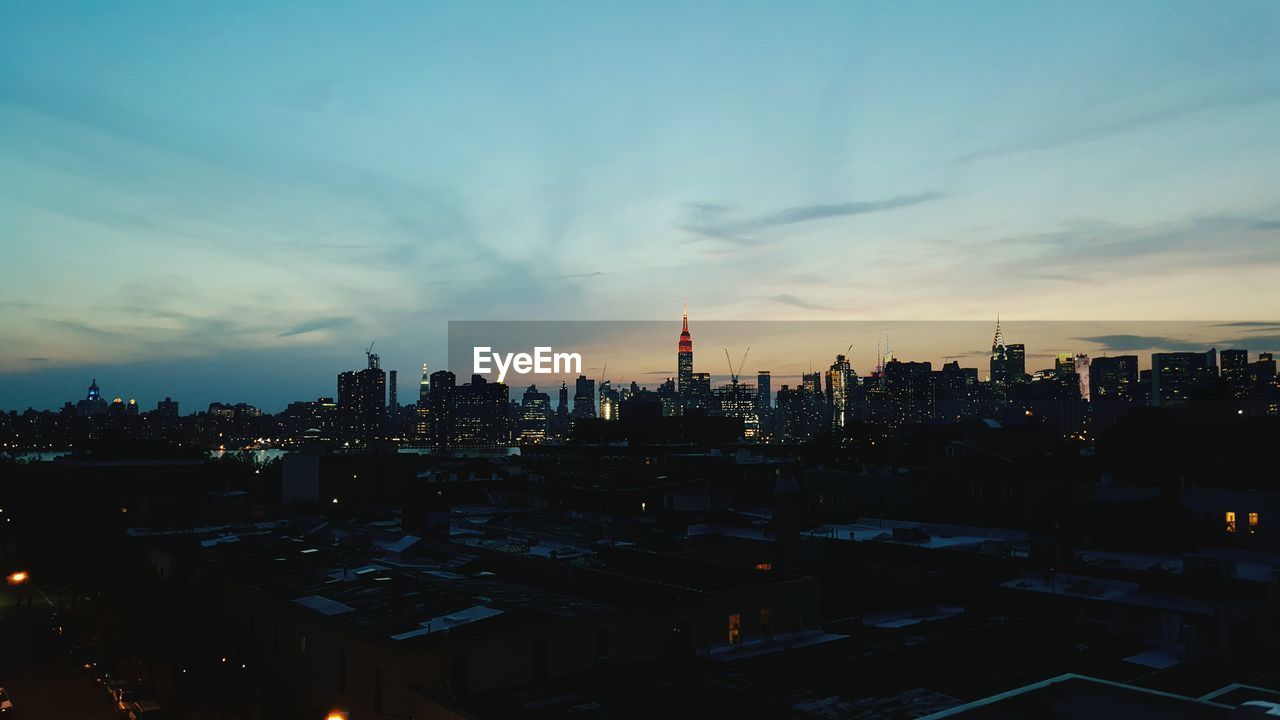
column 314, row 325
column 787, row 299
column 1252, row 326
column 1234, row 97
column 712, row 221
column 1091, row 251
column 570, row 276
column 1144, row 342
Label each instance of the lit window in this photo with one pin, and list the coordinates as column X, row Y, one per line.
column 766, row 567
column 1231, row 522
column 1253, row 522
column 735, row 629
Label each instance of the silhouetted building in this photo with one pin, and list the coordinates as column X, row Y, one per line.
column 840, row 381
column 535, row 416
column 93, row 404
column 481, row 409
column 684, row 362
column 422, row 409
column 1235, row 372
column 1179, row 376
column 584, row 397
column 1008, row 362
column 909, row 388
column 444, row 409
column 167, row 407
column 362, row 399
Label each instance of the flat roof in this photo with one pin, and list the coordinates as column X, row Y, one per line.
column 1078, row 697
column 403, row 604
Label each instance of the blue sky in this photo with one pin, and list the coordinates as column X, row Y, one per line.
column 230, row 200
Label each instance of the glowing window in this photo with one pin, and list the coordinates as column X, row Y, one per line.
column 766, row 567
column 735, row 629
column 1231, row 522
column 1253, row 522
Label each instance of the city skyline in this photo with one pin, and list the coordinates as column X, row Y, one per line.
column 648, row 345
column 508, row 162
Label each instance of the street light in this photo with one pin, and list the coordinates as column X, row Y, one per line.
column 18, row 578
column 337, row 715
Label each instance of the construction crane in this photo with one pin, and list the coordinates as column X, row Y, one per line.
column 734, row 374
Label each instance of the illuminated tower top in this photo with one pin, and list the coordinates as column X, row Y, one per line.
column 998, row 342
column 94, row 393
column 686, row 341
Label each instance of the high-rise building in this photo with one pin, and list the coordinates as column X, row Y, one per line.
column 535, row 416
column 909, row 392
column 956, row 392
column 840, row 381
column 422, row 409
column 93, row 404
column 794, row 415
column 699, row 394
column 764, row 403
column 1082, row 369
column 392, row 401
column 444, row 401
column 1113, row 377
column 584, row 398
column 609, row 400
column 1008, row 362
column 684, row 361
column 362, row 399
column 737, row 401
column 167, row 407
column 481, row 414
column 764, row 391
column 669, row 398
column 1235, row 372
column 1178, row 376
column 1008, row 368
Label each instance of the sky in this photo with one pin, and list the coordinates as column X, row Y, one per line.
column 228, row 201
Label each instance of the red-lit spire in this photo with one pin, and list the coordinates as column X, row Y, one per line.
column 686, row 341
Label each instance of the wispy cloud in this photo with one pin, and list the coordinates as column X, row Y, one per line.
column 792, row 300
column 710, row 220
column 1144, row 342
column 315, row 325
column 1233, row 97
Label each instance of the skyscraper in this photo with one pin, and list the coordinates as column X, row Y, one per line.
column 584, row 398
column 840, row 380
column 1235, row 372
column 443, row 389
column 764, row 403
column 1008, row 362
column 535, row 416
column 362, row 398
column 1178, row 376
column 609, row 400
column 764, row 391
column 423, row 408
column 684, row 361
column 481, row 414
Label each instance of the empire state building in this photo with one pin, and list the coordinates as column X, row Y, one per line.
column 684, row 362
